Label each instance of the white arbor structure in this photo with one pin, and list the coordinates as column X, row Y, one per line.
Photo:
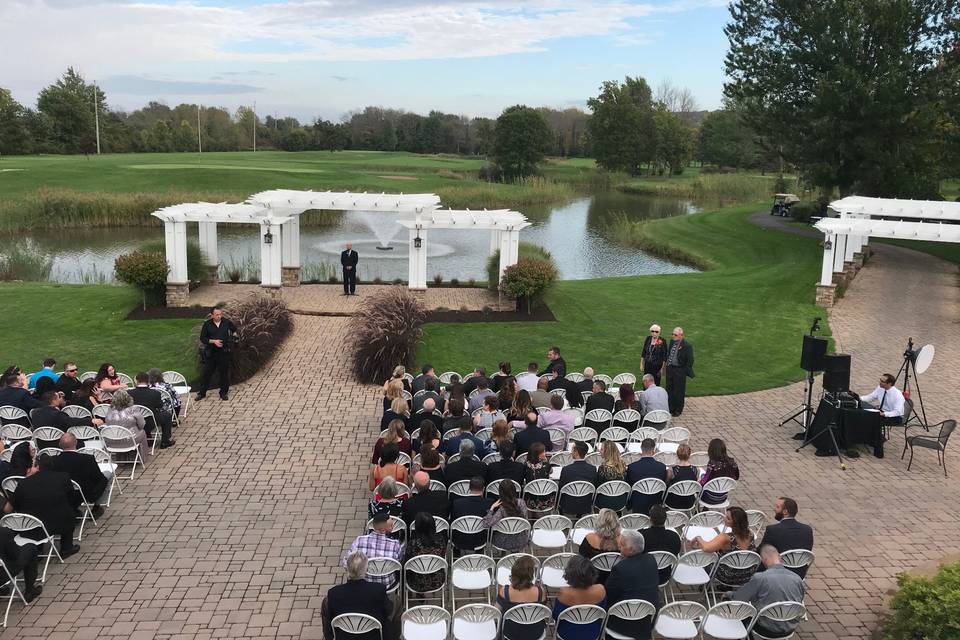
column 860, row 218
column 277, row 213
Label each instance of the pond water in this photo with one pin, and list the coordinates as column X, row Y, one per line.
column 571, row 232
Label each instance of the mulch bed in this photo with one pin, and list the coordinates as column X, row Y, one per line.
column 170, row 313
column 540, row 314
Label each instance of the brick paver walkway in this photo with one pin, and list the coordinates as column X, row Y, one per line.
column 237, row 531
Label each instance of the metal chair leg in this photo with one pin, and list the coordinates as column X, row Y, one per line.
column 911, row 459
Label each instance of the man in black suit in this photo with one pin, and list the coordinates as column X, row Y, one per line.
column 420, row 382
column 579, row 469
column 471, row 383
column 657, row 537
column 788, row 534
column 557, row 368
column 600, row 398
column 217, row 336
column 475, row 504
column 82, row 469
column 426, row 414
column 143, row 395
column 467, row 466
column 646, row 467
column 51, row 414
column 506, row 468
column 679, row 368
column 431, row 390
column 348, row 260
column 21, row 558
column 68, row 383
column 532, row 433
column 14, row 395
column 358, row 595
column 433, row 502
column 634, row 577
column 48, row 495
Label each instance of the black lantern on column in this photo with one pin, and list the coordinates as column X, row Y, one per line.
column 417, row 242
column 268, row 237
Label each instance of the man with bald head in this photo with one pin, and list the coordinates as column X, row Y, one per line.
column 348, row 260
column 425, row 501
column 82, row 469
column 426, row 414
column 679, row 368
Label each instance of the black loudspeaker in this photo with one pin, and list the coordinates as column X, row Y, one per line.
column 836, row 372
column 811, row 358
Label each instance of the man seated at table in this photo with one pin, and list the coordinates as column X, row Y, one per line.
column 887, row 399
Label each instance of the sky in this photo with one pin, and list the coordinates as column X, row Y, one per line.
column 324, row 58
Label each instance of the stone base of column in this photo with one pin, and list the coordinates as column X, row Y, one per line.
column 849, row 271
column 826, row 295
column 212, row 275
column 290, row 276
column 271, row 291
column 178, row 294
column 858, row 259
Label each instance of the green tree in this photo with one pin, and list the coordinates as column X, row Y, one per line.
column 622, row 129
column 69, row 105
column 852, row 88
column 674, row 141
column 14, row 134
column 726, row 140
column 522, row 138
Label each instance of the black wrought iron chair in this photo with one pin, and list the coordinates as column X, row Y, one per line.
column 938, row 443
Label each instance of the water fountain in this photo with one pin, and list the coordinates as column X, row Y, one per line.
column 383, row 227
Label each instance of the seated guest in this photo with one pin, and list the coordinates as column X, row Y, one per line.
column 431, row 390
column 582, row 588
column 506, row 466
column 529, row 379
column 4, row 464
column 521, row 406
column 538, row 469
column 22, row 458
column 507, row 505
column 497, row 379
column 532, row 433
column 488, row 413
column 107, row 379
column 653, row 397
column 468, row 466
column 611, row 468
column 683, row 470
column 603, row 539
column 720, row 465
column 386, row 499
column 51, row 414
column 541, row 397
column 600, row 398
column 577, row 470
column 474, row 504
column 428, row 413
column 170, row 403
column 16, row 371
column 389, row 466
column 464, row 432
column 425, row 541
column 68, row 383
column 392, row 391
column 587, row 383
column 45, row 372
column 358, row 595
column 478, row 399
column 555, row 417
column 48, row 495
column 523, row 589
column 144, row 396
column 499, row 435
column 430, row 463
column 507, row 394
column 454, row 393
column 14, row 394
column 87, row 396
column 628, row 399
column 887, row 399
column 398, row 375
column 557, row 368
column 420, row 382
column 455, row 416
column 398, row 411
column 775, row 584
column 378, row 544
column 635, row 577
column 84, row 470
column 429, row 435
column 396, row 433
column 788, row 533
column 471, row 383
column 657, row 537
column 19, row 558
column 646, row 467
column 434, row 503
column 740, row 538
column 122, row 414
column 44, row 384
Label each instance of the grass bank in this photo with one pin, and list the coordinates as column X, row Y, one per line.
column 757, row 299
column 85, row 324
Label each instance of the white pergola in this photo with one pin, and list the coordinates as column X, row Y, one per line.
column 277, row 212
column 860, row 218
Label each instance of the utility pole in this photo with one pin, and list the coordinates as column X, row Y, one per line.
column 96, row 115
column 254, row 126
column 199, row 140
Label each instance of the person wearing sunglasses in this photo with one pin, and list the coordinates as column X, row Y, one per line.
column 654, row 354
column 69, row 382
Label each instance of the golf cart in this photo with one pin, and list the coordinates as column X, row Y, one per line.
column 782, row 203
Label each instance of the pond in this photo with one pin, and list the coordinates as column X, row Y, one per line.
column 572, row 232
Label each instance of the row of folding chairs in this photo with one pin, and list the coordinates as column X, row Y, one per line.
column 621, row 378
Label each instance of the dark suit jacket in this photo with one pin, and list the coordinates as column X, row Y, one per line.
column 577, row 470
column 433, row 502
column 528, row 436
column 464, row 470
column 507, row 469
column 789, row 534
column 635, row 577
column 417, row 418
column 360, row 596
column 390, row 416
column 147, row 397
column 47, row 495
column 558, row 366
column 18, row 397
column 419, row 400
column 84, row 470
column 601, row 400
column 349, row 258
column 645, row 468
column 661, row 539
column 469, row 385
column 52, row 417
column 452, row 445
column 68, row 386
column 684, row 356
column 469, row 506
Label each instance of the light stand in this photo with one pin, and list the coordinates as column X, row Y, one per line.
column 910, row 363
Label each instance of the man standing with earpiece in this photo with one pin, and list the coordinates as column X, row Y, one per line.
column 348, row 260
column 217, row 336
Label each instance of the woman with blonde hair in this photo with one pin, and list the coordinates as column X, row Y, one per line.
column 611, row 468
column 396, row 433
column 399, row 372
column 683, row 470
column 399, row 410
column 522, row 405
column 392, row 390
column 501, row 434
column 122, row 414
column 604, row 538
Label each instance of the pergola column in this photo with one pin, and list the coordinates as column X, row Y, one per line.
column 178, row 284
column 208, row 247
column 826, row 290
column 509, row 248
column 270, row 257
column 290, row 243
column 418, row 259
column 494, row 241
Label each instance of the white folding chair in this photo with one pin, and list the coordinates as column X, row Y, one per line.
column 526, row 615
column 490, row 458
column 355, row 624
column 677, row 620
column 616, row 494
column 582, row 615
column 595, row 458
column 642, row 433
column 725, row 620
column 460, row 488
column 604, row 378
column 577, row 414
column 738, row 560
column 119, row 440
column 9, row 485
column 399, row 527
column 684, row 489
column 425, row 565
column 558, row 438
column 49, row 451
column 584, row 434
column 628, row 419
column 693, row 572
column 47, row 434
column 476, row 622
column 551, row 532
column 717, row 486
column 665, row 560
column 23, row 522
column 15, row 415
column 677, row 520
column 101, row 411
column 649, row 487
column 657, row 419
column 16, row 433
column 584, row 525
column 699, row 459
column 635, row 521
column 472, row 526
column 542, row 489
column 666, row 457
column 102, row 456
column 798, row 559
column 757, row 521
column 86, row 508
column 148, row 418
column 615, row 434
column 446, row 376
column 575, row 377
column 15, row 591
column 551, row 575
column 86, row 434
column 578, row 492
column 605, row 562
column 76, row 411
column 484, row 434
column 512, row 527
column 387, row 570
column 633, row 610
column 505, row 565
column 425, row 623
column 561, row 459
column 493, row 489
column 598, row 419
column 87, row 375
column 784, row 611
column 125, row 379
column 407, row 396
column 167, row 400
column 473, row 572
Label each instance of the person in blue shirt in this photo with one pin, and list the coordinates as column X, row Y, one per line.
column 46, row 372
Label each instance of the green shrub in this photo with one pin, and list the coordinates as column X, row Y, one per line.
column 145, row 270
column 803, row 211
column 528, row 280
column 525, row 250
column 438, row 279
column 384, row 333
column 196, row 262
column 926, row 608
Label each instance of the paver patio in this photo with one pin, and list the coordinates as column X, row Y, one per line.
column 238, row 530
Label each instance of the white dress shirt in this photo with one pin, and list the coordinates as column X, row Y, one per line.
column 892, row 403
column 528, row 381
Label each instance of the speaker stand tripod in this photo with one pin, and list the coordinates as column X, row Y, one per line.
column 810, row 437
column 802, row 414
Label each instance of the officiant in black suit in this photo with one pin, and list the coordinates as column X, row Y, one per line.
column 349, row 259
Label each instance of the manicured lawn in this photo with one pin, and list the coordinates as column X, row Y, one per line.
column 745, row 318
column 85, row 324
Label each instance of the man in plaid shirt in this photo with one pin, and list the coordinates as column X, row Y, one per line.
column 377, row 544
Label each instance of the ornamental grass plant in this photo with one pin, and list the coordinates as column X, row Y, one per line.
column 384, row 333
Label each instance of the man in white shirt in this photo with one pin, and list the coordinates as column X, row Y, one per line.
column 887, row 399
column 529, row 378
